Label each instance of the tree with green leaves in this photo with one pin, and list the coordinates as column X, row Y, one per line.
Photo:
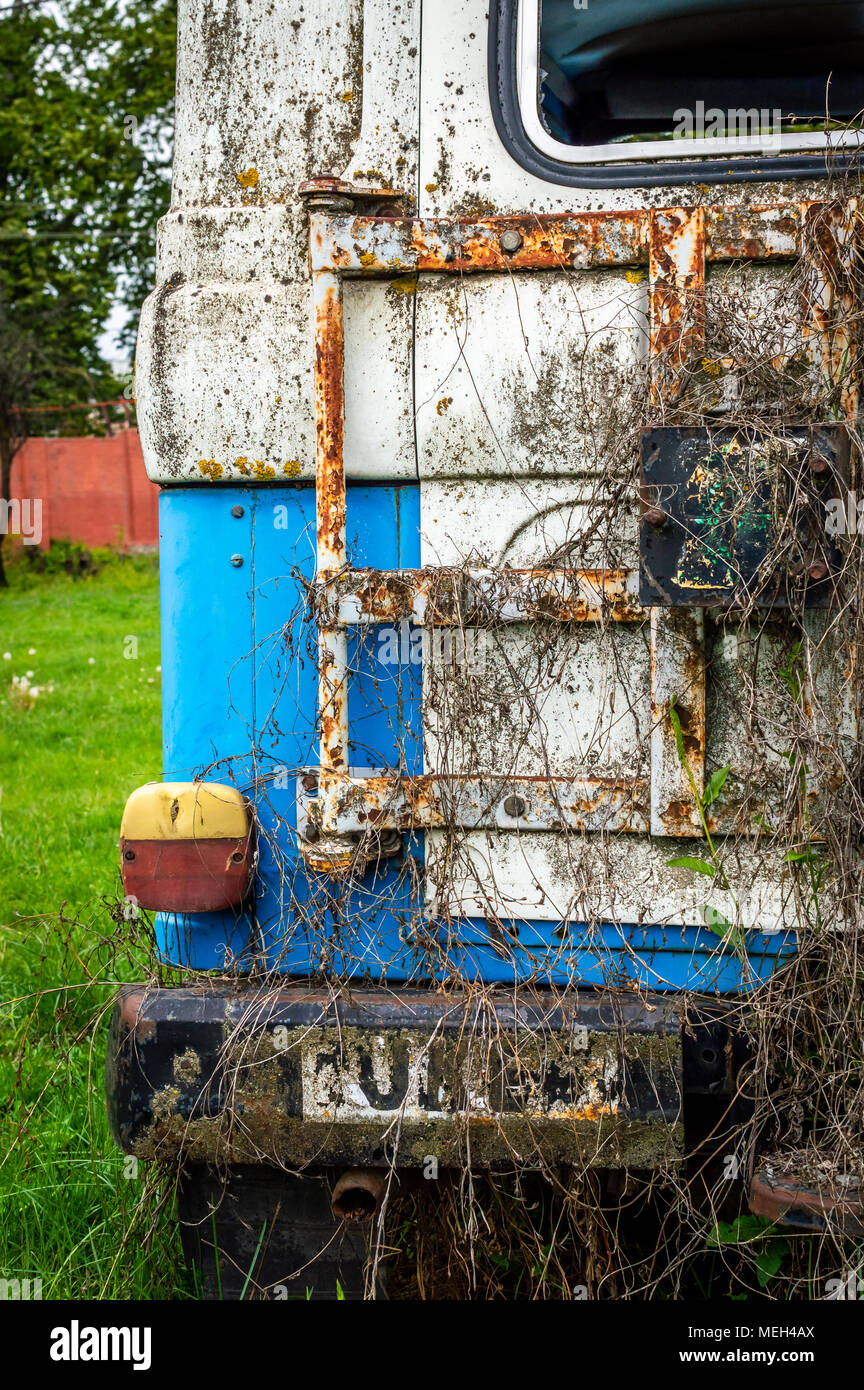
column 86, row 110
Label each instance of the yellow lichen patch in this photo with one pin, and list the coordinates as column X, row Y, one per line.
column 636, row 277
column 367, row 258
column 406, row 284
column 431, row 188
column 263, row 470
column 210, row 468
column 347, row 96
column 242, row 465
column 444, row 404
column 291, row 468
column 711, row 368
column 249, row 179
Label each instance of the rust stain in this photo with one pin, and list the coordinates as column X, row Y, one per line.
column 676, row 272
column 830, row 298
column 445, row 597
column 330, row 427
column 755, row 233
column 330, row 507
column 132, row 1020
column 547, row 242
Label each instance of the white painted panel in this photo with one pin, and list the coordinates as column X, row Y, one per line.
column 379, row 399
column 267, row 98
column 275, row 89
column 224, row 382
column 387, row 152
column 528, row 522
column 597, row 878
column 532, row 374
column 221, row 387
column 543, row 699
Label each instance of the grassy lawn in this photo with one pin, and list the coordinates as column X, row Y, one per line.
column 69, row 1212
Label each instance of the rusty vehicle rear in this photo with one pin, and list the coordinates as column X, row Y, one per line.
column 502, row 391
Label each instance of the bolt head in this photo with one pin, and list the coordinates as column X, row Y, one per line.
column 655, row 516
column 237, row 511
column 818, row 571
column 237, row 561
column 510, row 241
column 515, row 806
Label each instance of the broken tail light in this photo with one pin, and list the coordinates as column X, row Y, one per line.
column 186, row 847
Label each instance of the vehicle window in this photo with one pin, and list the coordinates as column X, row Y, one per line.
column 606, row 80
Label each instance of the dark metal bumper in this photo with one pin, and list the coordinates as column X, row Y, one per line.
column 301, row 1076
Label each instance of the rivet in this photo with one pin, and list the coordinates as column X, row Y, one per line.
column 515, row 806
column 237, row 561
column 237, row 511
column 510, row 241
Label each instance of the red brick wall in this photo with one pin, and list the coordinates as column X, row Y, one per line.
column 93, row 490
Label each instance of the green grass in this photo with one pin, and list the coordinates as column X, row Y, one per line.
column 69, row 1213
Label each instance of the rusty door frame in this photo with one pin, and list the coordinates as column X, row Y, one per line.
column 363, row 232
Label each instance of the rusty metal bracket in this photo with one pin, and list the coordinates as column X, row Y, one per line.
column 477, row 598
column 351, row 804
column 355, row 243
column 356, row 231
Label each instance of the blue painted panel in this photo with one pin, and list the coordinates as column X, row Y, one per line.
column 257, row 633
column 239, row 674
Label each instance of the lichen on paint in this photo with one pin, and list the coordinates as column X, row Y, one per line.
column 406, row 284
